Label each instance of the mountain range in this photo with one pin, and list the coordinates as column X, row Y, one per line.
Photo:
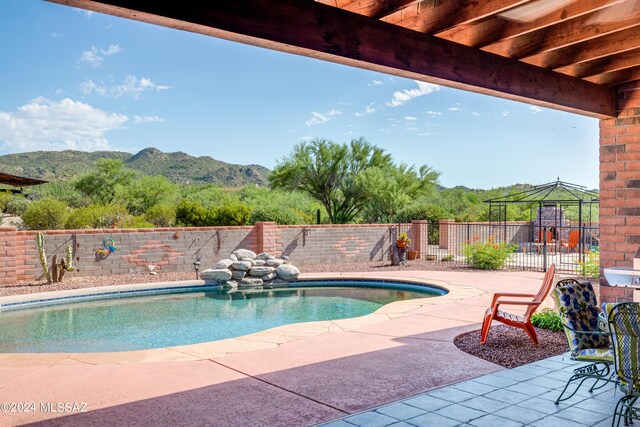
column 178, row 167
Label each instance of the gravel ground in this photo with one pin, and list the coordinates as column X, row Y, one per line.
column 511, row 347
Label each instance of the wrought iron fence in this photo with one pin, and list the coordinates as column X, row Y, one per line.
column 535, row 248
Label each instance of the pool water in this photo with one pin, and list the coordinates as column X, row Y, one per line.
column 144, row 322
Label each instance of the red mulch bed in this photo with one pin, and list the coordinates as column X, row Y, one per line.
column 511, row 347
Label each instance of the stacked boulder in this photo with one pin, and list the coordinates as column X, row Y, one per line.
column 245, row 269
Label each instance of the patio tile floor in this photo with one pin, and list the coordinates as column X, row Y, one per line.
column 522, row 396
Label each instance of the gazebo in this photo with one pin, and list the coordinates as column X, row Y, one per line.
column 549, row 202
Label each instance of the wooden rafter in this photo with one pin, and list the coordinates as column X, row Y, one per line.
column 603, row 65
column 496, row 28
column 611, row 44
column 576, row 30
column 373, row 8
column 442, row 15
column 616, row 77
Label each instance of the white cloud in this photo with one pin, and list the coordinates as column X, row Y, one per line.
column 368, row 110
column 88, row 14
column 433, row 113
column 456, row 109
column 535, row 110
column 131, row 86
column 411, row 118
column 475, row 114
column 147, row 119
column 44, row 124
column 375, row 83
column 56, row 35
column 318, row 118
column 505, row 113
column 95, row 56
column 403, row 96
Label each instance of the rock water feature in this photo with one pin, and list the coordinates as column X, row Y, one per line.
column 245, row 269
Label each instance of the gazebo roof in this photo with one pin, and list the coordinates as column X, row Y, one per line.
column 19, row 181
column 571, row 193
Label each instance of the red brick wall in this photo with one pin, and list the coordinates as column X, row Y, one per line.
column 175, row 249
column 620, row 187
column 8, row 256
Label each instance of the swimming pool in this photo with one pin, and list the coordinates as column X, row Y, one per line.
column 124, row 322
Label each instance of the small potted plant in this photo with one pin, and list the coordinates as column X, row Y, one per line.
column 403, row 241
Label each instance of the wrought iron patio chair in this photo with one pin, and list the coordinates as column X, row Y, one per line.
column 624, row 325
column 578, row 307
column 524, row 321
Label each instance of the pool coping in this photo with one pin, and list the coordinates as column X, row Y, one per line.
column 267, row 339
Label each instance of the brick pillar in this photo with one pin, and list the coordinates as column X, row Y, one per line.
column 620, row 188
column 8, row 257
column 444, row 233
column 268, row 237
column 419, row 232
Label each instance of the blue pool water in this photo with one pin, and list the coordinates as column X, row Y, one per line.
column 144, row 322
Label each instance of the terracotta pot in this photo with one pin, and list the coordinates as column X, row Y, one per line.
column 411, row 255
column 401, row 244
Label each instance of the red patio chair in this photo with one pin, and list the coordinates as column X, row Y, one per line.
column 524, row 322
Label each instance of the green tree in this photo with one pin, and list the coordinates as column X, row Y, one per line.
column 147, row 192
column 102, row 185
column 329, row 172
column 391, row 188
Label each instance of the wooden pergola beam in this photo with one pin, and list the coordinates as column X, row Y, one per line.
column 320, row 31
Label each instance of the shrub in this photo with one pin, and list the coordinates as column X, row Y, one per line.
column 136, row 222
column 590, row 267
column 161, row 215
column 96, row 216
column 190, row 214
column 230, row 214
column 547, row 319
column 193, row 214
column 45, row 214
column 4, row 199
column 421, row 211
column 17, row 206
column 489, row 255
column 273, row 213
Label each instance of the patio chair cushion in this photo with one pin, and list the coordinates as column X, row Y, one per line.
column 578, row 307
column 595, row 354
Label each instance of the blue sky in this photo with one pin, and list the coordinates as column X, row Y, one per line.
column 77, row 80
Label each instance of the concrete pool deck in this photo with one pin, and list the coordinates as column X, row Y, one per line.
column 300, row 374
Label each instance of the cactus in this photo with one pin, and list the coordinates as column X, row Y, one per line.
column 43, row 256
column 55, row 272
column 69, row 260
